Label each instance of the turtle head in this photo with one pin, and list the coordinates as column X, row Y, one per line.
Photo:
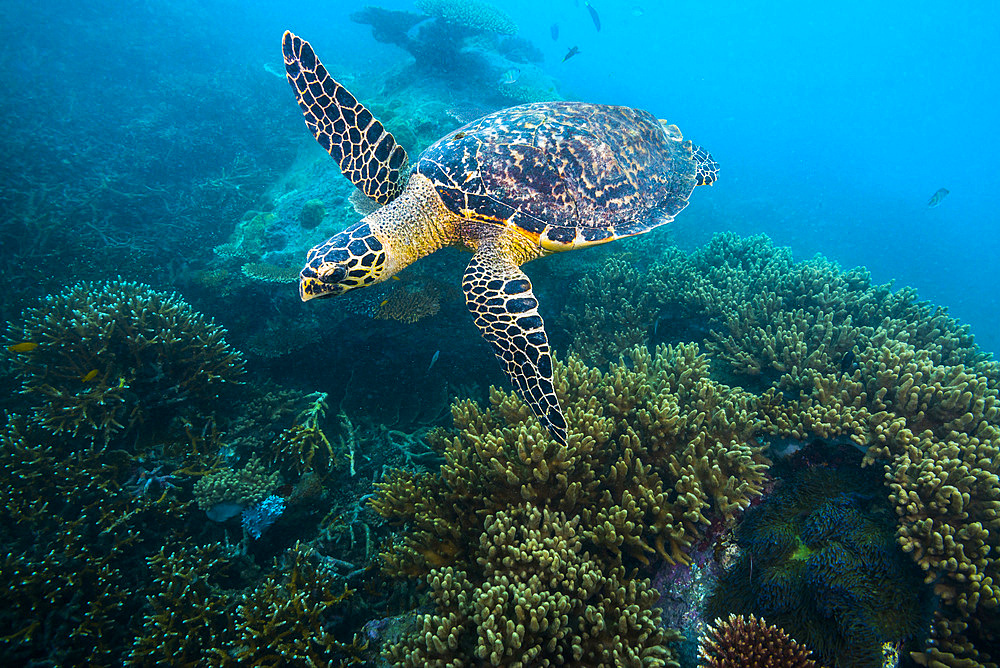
column 354, row 258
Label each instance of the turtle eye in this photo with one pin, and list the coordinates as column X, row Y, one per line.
column 332, row 273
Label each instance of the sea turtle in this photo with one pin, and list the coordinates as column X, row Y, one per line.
column 512, row 186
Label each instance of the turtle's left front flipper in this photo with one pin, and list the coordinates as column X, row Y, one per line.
column 500, row 298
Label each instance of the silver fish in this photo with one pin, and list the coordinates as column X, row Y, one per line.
column 510, row 76
column 937, row 197
column 434, row 358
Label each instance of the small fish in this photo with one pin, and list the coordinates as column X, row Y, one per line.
column 90, row 375
column 395, row 278
column 937, row 197
column 434, row 358
column 23, row 347
column 554, row 31
column 383, row 303
column 510, row 76
column 593, row 16
column 637, row 11
column 849, row 364
column 573, row 50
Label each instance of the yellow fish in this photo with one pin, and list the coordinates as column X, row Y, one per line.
column 23, row 347
column 384, row 302
column 90, row 375
column 395, row 278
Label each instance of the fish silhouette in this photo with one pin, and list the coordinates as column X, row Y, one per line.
column 937, row 197
column 554, row 31
column 573, row 50
column 594, row 17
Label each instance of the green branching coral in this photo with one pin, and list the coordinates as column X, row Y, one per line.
column 244, row 487
column 656, row 449
column 819, row 559
column 116, row 355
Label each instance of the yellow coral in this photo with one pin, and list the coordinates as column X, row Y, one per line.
column 244, row 487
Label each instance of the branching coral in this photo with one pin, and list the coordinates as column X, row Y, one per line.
column 655, row 450
column 243, row 488
column 303, row 446
column 739, row 642
column 542, row 601
column 115, row 355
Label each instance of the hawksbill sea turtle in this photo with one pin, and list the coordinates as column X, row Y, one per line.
column 512, row 186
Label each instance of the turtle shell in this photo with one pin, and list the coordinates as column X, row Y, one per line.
column 570, row 172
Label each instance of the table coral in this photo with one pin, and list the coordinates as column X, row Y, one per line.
column 474, row 15
column 115, row 355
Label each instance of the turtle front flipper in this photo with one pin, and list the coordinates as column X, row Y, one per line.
column 500, row 298
column 366, row 152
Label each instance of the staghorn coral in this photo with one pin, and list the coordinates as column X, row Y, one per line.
column 657, row 449
column 116, row 355
column 195, row 619
column 73, row 538
column 303, row 446
column 473, row 15
column 739, row 642
column 819, row 560
column 284, row 620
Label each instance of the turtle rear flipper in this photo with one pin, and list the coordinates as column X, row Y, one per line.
column 707, row 168
column 367, row 153
column 500, row 298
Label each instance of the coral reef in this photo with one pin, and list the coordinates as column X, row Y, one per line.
column 270, row 273
column 819, row 560
column 117, row 356
column 312, row 213
column 658, row 447
column 409, row 305
column 739, row 642
column 303, row 446
column 238, row 488
column 472, row 15
column 542, row 601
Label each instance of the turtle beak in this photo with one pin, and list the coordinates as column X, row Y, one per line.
column 324, row 281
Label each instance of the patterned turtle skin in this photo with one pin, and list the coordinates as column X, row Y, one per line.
column 512, row 186
column 569, row 174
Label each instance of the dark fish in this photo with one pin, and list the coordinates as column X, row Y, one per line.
column 573, row 50
column 937, row 197
column 554, row 31
column 594, row 16
column 850, row 362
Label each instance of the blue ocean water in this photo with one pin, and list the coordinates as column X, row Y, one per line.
column 834, row 124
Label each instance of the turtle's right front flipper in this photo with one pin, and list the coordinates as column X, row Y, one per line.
column 500, row 298
column 366, row 152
